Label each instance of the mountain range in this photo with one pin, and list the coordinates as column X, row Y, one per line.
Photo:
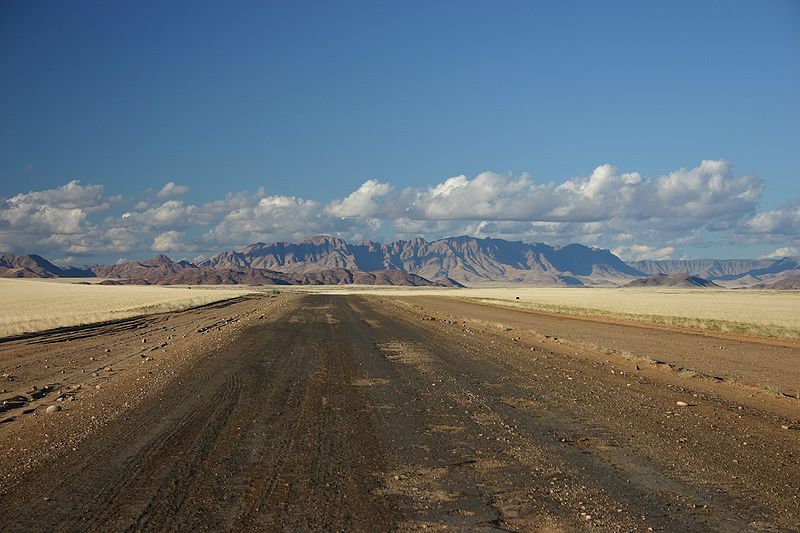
column 452, row 261
column 34, row 266
column 163, row 270
column 728, row 272
column 465, row 259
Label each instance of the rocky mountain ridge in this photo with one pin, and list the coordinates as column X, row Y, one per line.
column 35, row 266
column 450, row 262
column 163, row 270
column 728, row 272
column 467, row 260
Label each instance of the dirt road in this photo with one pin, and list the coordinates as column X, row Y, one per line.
column 351, row 413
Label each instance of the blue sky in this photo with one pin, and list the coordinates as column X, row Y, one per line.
column 310, row 100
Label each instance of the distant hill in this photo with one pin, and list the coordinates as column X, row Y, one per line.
column 673, row 280
column 467, row 260
column 158, row 267
column 728, row 272
column 788, row 283
column 34, row 266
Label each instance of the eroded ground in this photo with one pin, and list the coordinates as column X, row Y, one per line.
column 369, row 413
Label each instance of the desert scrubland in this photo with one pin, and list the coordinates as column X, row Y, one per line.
column 40, row 305
column 751, row 312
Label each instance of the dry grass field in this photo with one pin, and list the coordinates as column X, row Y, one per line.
column 33, row 305
column 30, row 306
column 763, row 313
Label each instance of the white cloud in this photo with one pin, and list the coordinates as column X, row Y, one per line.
column 169, row 241
column 73, row 195
column 363, row 202
column 172, row 213
column 782, row 221
column 272, row 217
column 50, row 218
column 709, row 192
column 784, row 251
column 488, row 196
column 291, row 218
column 172, row 189
column 637, row 252
column 636, row 215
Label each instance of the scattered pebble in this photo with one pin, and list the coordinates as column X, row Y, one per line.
column 682, row 404
column 53, row 409
column 144, row 341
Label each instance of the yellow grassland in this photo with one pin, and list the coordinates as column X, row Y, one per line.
column 763, row 313
column 32, row 305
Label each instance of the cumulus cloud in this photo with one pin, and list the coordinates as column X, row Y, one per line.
column 279, row 217
column 638, row 252
column 172, row 189
column 707, row 191
column 635, row 215
column 57, row 217
column 782, row 221
column 784, row 251
column 170, row 241
column 363, row 202
column 172, row 213
column 73, row 195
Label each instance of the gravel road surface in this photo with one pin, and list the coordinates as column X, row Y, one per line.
column 353, row 413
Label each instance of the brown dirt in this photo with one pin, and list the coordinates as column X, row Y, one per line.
column 354, row 413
